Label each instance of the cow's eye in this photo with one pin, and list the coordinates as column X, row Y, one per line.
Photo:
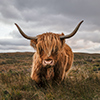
column 41, row 51
column 55, row 51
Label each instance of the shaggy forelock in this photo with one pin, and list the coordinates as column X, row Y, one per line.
column 49, row 42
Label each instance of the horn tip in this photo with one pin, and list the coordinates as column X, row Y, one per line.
column 82, row 21
column 15, row 24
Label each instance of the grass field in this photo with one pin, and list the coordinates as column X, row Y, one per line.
column 82, row 83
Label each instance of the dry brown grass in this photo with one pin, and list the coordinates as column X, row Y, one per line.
column 82, row 83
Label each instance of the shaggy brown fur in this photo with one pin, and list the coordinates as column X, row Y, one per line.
column 50, row 46
column 53, row 58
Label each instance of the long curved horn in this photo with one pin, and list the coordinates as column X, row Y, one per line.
column 24, row 35
column 73, row 33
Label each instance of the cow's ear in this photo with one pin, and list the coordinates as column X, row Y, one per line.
column 33, row 43
column 62, row 33
column 62, row 40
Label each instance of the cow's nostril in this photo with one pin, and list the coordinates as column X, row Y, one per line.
column 51, row 61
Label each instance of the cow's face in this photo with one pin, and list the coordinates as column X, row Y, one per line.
column 48, row 46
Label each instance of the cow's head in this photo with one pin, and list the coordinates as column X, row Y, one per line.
column 48, row 45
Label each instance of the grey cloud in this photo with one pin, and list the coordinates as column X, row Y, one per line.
column 46, row 12
column 84, row 45
column 88, row 36
column 39, row 16
column 8, row 10
column 14, row 42
column 15, row 34
column 16, row 49
column 70, row 8
column 15, row 45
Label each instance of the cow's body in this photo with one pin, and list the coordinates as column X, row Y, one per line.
column 53, row 48
column 53, row 58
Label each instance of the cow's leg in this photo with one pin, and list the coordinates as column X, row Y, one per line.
column 35, row 74
column 35, row 69
column 60, row 69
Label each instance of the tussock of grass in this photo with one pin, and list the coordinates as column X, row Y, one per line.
column 82, row 83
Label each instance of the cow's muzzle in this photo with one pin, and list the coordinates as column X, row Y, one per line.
column 48, row 62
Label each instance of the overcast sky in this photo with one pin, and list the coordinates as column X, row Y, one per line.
column 39, row 16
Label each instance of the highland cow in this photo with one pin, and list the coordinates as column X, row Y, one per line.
column 53, row 57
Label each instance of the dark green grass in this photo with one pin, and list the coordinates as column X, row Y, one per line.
column 82, row 83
